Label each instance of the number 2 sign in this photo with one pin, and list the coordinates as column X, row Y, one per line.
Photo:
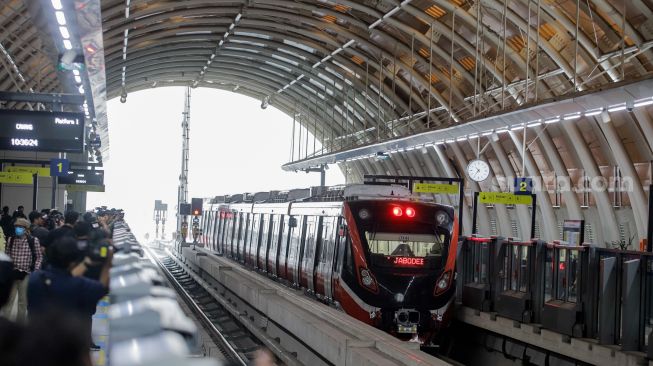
column 523, row 185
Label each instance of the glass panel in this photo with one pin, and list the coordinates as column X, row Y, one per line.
column 514, row 267
column 523, row 269
column 397, row 244
column 561, row 284
column 484, row 261
column 649, row 299
column 505, row 271
column 574, row 275
column 477, row 262
column 548, row 275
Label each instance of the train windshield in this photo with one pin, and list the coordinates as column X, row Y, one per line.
column 405, row 245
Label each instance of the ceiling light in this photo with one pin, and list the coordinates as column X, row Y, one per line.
column 552, row 120
column 516, row 127
column 57, row 4
column 593, row 112
column 449, row 141
column 61, row 17
column 617, row 108
column 486, row 133
column 643, row 102
column 439, row 142
column 463, row 138
column 534, row 124
column 64, row 32
column 569, row 117
column 67, row 44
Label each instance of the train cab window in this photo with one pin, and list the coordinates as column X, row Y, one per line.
column 415, row 245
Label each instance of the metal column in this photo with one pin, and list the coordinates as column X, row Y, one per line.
column 183, row 177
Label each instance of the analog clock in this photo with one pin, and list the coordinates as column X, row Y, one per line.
column 478, row 170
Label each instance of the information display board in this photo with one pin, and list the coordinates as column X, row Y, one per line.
column 84, row 177
column 41, row 131
column 435, row 188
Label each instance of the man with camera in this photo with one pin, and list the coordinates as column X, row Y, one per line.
column 63, row 287
column 25, row 252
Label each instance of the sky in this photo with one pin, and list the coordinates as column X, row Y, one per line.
column 235, row 147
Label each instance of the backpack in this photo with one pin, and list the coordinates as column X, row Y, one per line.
column 32, row 249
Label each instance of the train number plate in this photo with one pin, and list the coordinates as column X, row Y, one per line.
column 407, row 329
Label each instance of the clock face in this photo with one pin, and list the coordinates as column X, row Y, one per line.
column 478, row 170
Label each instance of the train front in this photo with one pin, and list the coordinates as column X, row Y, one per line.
column 404, row 258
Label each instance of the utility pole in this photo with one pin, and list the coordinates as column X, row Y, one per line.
column 182, row 224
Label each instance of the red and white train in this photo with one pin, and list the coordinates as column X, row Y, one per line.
column 371, row 251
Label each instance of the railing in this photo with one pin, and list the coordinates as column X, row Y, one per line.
column 580, row 291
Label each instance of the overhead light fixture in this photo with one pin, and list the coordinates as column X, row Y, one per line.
column 534, row 124
column 502, row 130
column 56, row 4
column 487, row 133
column 64, row 32
column 67, row 44
column 593, row 112
column 462, row 138
column 517, row 127
column 617, row 107
column 552, row 120
column 441, row 142
column 570, row 117
column 61, row 17
column 449, row 141
column 643, row 102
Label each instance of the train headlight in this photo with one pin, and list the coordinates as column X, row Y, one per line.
column 443, row 283
column 442, row 218
column 364, row 214
column 367, row 280
column 399, row 297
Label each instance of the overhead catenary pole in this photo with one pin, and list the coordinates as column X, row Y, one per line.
column 183, row 177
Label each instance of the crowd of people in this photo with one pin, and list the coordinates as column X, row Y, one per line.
column 54, row 268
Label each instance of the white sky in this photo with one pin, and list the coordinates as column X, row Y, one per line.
column 235, row 147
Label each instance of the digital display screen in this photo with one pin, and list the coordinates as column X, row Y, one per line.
column 41, row 131
column 84, row 177
column 408, row 261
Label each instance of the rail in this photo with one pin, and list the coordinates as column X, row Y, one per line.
column 581, row 291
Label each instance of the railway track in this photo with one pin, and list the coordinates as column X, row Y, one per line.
column 235, row 341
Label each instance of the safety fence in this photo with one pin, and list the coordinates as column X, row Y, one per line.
column 579, row 291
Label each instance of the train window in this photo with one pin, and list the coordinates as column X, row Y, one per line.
column 404, row 245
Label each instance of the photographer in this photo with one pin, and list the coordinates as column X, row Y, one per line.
column 62, row 286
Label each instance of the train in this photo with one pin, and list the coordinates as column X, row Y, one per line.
column 374, row 252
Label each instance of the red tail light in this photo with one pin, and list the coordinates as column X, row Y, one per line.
column 410, row 212
column 396, row 211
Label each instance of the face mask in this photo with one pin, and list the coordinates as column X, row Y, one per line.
column 20, row 231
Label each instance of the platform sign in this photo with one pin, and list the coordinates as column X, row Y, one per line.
column 435, row 188
column 41, row 131
column 16, row 178
column 59, row 167
column 41, row 172
column 523, row 186
column 84, row 188
column 83, row 177
column 504, row 198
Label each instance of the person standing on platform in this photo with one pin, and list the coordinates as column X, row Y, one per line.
column 67, row 229
column 37, row 229
column 20, row 212
column 25, row 253
column 5, row 221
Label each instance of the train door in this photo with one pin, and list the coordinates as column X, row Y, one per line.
column 275, row 238
column 236, row 229
column 262, row 251
column 324, row 268
column 282, row 261
column 242, row 243
column 294, row 250
column 214, row 229
column 250, row 256
column 311, row 244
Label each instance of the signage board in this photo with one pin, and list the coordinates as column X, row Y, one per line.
column 82, row 176
column 59, row 167
column 41, row 131
column 41, row 172
column 523, row 185
column 504, row 198
column 16, row 178
column 84, row 188
column 573, row 232
column 435, row 188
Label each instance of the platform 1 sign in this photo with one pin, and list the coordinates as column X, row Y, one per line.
column 504, row 198
column 84, row 188
column 41, row 172
column 41, row 131
column 435, row 188
column 59, row 167
column 16, row 178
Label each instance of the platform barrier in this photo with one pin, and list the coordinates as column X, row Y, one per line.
column 578, row 291
column 146, row 324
